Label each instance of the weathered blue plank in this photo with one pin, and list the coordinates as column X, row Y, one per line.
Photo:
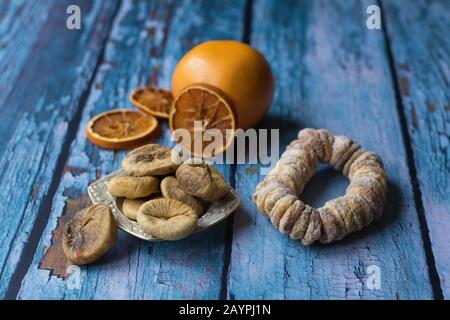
column 20, row 24
column 146, row 41
column 419, row 40
column 36, row 116
column 332, row 72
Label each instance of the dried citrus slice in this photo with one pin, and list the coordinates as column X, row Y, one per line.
column 121, row 129
column 200, row 108
column 154, row 101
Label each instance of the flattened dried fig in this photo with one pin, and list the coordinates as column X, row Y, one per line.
column 89, row 234
column 304, row 216
column 219, row 183
column 167, row 219
column 130, row 207
column 148, row 160
column 264, row 193
column 314, row 228
column 273, row 197
column 171, row 190
column 279, row 209
column 201, row 180
column 290, row 217
column 195, row 179
column 330, row 226
column 133, row 187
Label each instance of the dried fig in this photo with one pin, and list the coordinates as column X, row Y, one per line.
column 133, row 187
column 171, row 190
column 301, row 224
column 264, row 193
column 89, row 234
column 273, row 197
column 331, row 228
column 167, row 219
column 313, row 232
column 219, row 183
column 290, row 217
column 151, row 159
column 130, row 207
column 278, row 210
column 201, row 180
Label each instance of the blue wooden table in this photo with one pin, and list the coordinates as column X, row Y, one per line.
column 387, row 88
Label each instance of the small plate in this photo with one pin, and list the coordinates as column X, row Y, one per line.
column 217, row 211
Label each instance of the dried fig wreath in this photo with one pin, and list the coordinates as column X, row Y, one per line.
column 277, row 195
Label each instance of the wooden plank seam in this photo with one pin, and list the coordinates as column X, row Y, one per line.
column 230, row 221
column 432, row 271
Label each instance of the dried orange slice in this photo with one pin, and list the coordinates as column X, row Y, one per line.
column 199, row 109
column 121, row 129
column 154, row 101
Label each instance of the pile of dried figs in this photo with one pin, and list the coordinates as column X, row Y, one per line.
column 166, row 199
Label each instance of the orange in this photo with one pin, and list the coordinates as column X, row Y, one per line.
column 238, row 70
column 121, row 129
column 154, row 101
column 199, row 108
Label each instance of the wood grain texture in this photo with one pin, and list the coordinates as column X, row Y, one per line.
column 20, row 25
column 332, row 72
column 36, row 116
column 418, row 34
column 147, row 39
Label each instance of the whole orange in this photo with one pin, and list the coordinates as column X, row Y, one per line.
column 238, row 70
